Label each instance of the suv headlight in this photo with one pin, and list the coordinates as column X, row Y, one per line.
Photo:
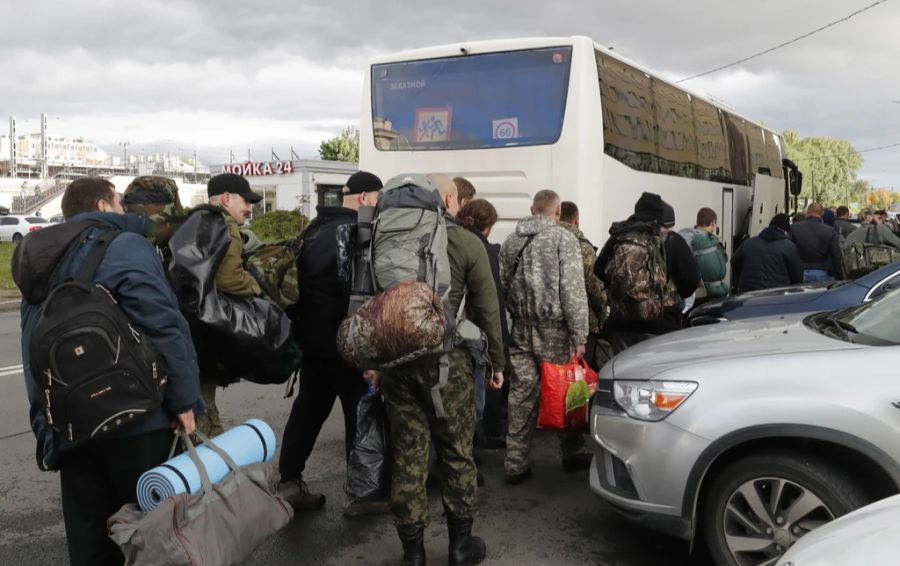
column 652, row 400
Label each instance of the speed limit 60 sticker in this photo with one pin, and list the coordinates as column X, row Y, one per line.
column 506, row 129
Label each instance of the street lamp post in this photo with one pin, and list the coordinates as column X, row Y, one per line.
column 125, row 145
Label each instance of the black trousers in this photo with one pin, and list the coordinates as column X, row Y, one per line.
column 321, row 382
column 97, row 479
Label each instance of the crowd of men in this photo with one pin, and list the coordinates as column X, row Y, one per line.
column 544, row 295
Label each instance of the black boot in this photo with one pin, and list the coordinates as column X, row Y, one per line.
column 465, row 549
column 413, row 539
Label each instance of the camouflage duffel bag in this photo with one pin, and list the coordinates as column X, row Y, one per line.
column 275, row 269
column 396, row 326
column 862, row 258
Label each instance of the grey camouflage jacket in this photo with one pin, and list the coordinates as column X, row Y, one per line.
column 548, row 287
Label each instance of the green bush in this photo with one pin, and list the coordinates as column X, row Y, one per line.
column 277, row 225
column 6, row 280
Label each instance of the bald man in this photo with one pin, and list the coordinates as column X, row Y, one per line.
column 412, row 415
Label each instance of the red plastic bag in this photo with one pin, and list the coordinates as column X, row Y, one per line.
column 555, row 382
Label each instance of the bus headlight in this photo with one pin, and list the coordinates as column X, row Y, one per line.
column 652, row 400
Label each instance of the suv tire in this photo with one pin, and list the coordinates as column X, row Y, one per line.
column 17, row 238
column 759, row 505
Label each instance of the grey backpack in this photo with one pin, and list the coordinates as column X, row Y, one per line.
column 407, row 315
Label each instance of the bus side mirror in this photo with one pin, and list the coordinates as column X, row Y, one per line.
column 796, row 178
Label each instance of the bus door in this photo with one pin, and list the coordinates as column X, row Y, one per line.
column 726, row 225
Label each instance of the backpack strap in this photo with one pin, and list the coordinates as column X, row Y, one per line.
column 518, row 260
column 95, row 256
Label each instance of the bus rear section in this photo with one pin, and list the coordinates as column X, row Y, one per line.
column 497, row 115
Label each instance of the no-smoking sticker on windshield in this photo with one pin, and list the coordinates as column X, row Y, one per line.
column 506, row 129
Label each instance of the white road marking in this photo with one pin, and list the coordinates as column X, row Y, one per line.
column 12, row 370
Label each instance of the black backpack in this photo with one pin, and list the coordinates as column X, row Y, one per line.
column 95, row 372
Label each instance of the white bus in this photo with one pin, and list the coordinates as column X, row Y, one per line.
column 517, row 116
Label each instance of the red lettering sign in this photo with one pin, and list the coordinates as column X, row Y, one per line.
column 259, row 168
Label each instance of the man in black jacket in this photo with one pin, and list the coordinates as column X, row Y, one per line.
column 769, row 260
column 324, row 270
column 682, row 272
column 819, row 246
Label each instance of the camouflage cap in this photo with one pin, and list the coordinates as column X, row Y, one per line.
column 152, row 189
column 157, row 198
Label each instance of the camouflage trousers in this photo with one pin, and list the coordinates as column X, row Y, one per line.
column 524, row 399
column 209, row 423
column 407, row 393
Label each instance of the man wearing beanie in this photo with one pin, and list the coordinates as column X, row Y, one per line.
column 646, row 238
column 324, row 279
column 768, row 260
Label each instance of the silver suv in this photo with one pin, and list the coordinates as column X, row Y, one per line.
column 752, row 433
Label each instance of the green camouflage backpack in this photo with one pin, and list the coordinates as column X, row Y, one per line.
column 865, row 257
column 274, row 266
column 638, row 284
column 157, row 198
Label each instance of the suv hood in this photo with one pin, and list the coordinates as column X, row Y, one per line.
column 730, row 340
column 769, row 297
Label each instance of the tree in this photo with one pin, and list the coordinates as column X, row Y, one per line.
column 880, row 199
column 344, row 147
column 830, row 168
column 277, row 225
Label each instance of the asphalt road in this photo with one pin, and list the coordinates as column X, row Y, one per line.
column 553, row 519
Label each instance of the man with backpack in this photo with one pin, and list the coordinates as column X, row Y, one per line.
column 542, row 268
column 431, row 397
column 323, row 271
column 710, row 255
column 97, row 275
column 647, row 271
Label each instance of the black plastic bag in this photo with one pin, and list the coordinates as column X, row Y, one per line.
column 369, row 467
column 235, row 337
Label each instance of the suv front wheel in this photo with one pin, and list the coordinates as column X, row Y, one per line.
column 758, row 506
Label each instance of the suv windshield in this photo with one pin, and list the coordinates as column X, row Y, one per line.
column 474, row 101
column 876, row 323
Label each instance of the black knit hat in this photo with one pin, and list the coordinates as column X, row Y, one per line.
column 651, row 206
column 362, row 182
column 781, row 221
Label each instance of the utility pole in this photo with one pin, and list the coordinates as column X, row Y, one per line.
column 195, row 166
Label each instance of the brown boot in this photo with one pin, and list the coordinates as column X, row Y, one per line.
column 297, row 494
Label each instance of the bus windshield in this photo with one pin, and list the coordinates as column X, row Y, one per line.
column 504, row 99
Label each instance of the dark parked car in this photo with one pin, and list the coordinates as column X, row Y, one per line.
column 812, row 297
column 3, row 211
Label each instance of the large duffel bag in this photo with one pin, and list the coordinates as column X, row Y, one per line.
column 219, row 526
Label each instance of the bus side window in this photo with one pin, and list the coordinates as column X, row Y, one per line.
column 629, row 120
column 712, row 156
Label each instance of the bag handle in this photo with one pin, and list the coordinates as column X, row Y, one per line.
column 95, row 256
column 195, row 458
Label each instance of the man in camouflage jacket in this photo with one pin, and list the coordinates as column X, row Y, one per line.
column 596, row 291
column 548, row 303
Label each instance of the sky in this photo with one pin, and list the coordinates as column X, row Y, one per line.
column 222, row 76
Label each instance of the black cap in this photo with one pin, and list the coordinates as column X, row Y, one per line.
column 668, row 215
column 231, row 183
column 781, row 221
column 362, row 182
